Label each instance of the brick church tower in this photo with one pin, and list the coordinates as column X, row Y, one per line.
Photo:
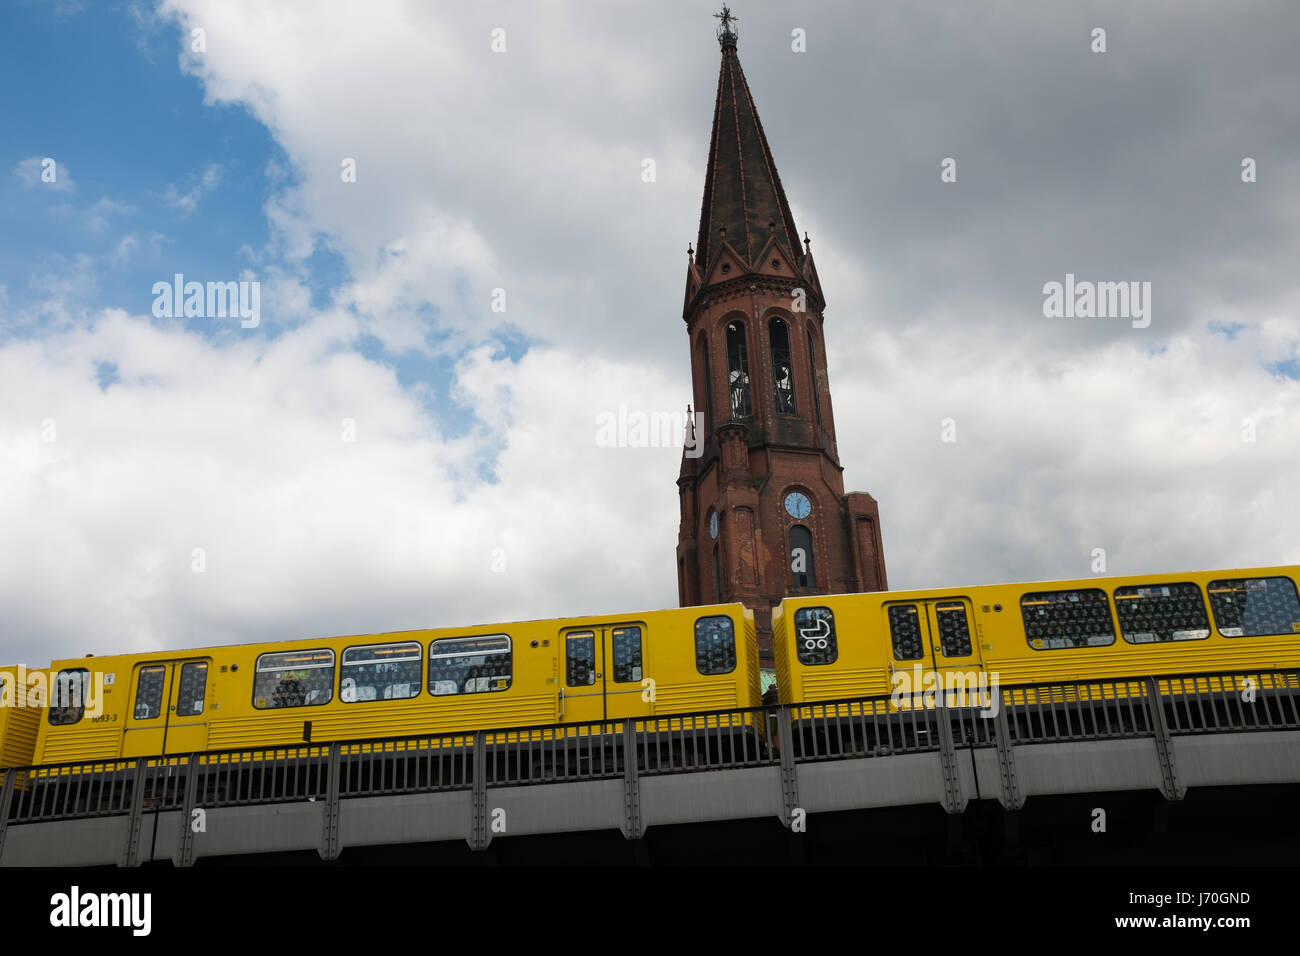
column 764, row 513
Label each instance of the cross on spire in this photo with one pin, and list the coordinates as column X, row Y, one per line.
column 726, row 33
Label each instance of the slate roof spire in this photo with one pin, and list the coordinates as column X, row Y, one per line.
column 742, row 190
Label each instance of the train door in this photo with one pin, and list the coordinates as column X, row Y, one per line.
column 934, row 650
column 954, row 652
column 604, row 671
column 168, row 709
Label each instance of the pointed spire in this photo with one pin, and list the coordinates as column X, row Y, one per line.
column 742, row 190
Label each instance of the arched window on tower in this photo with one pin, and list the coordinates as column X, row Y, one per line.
column 778, row 334
column 708, row 389
column 803, row 569
column 738, row 371
column 812, row 367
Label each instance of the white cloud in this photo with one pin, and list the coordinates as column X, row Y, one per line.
column 238, row 449
column 186, row 202
column 134, row 244
column 46, row 172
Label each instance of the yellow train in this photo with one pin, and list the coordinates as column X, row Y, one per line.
column 426, row 682
column 901, row 643
column 19, row 718
column 650, row 665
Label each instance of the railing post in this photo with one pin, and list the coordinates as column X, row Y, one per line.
column 789, row 775
column 6, row 801
column 478, row 839
column 952, row 796
column 1169, row 784
column 185, row 846
column 1012, row 797
column 131, row 849
column 329, row 848
column 631, row 783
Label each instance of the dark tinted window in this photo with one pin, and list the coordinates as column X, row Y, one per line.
column 1161, row 612
column 294, row 679
column 380, row 672
column 782, row 369
column 149, row 692
column 905, row 632
column 1252, row 607
column 1059, row 619
column 67, row 696
column 194, row 683
column 470, row 665
column 954, row 628
column 738, row 371
column 715, row 645
column 814, row 634
column 803, row 568
column 627, row 654
column 580, row 659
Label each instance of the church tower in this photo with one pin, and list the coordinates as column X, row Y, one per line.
column 763, row 509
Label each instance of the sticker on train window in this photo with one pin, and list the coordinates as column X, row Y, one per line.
column 814, row 630
column 1160, row 613
column 1255, row 607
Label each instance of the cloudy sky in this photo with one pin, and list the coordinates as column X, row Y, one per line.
column 387, row 450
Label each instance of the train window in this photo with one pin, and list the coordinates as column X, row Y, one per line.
column 1061, row 619
column 68, row 701
column 380, row 672
column 715, row 645
column 954, row 628
column 149, row 692
column 627, row 654
column 905, row 632
column 1253, row 607
column 1162, row 612
column 814, row 629
column 294, row 679
column 470, row 665
column 580, row 658
column 194, row 683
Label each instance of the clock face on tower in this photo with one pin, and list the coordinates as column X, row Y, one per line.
column 713, row 525
column 797, row 505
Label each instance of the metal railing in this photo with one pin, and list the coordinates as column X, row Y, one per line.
column 772, row 736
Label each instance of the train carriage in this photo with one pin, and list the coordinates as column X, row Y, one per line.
column 970, row 646
column 587, row 674
column 19, row 719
